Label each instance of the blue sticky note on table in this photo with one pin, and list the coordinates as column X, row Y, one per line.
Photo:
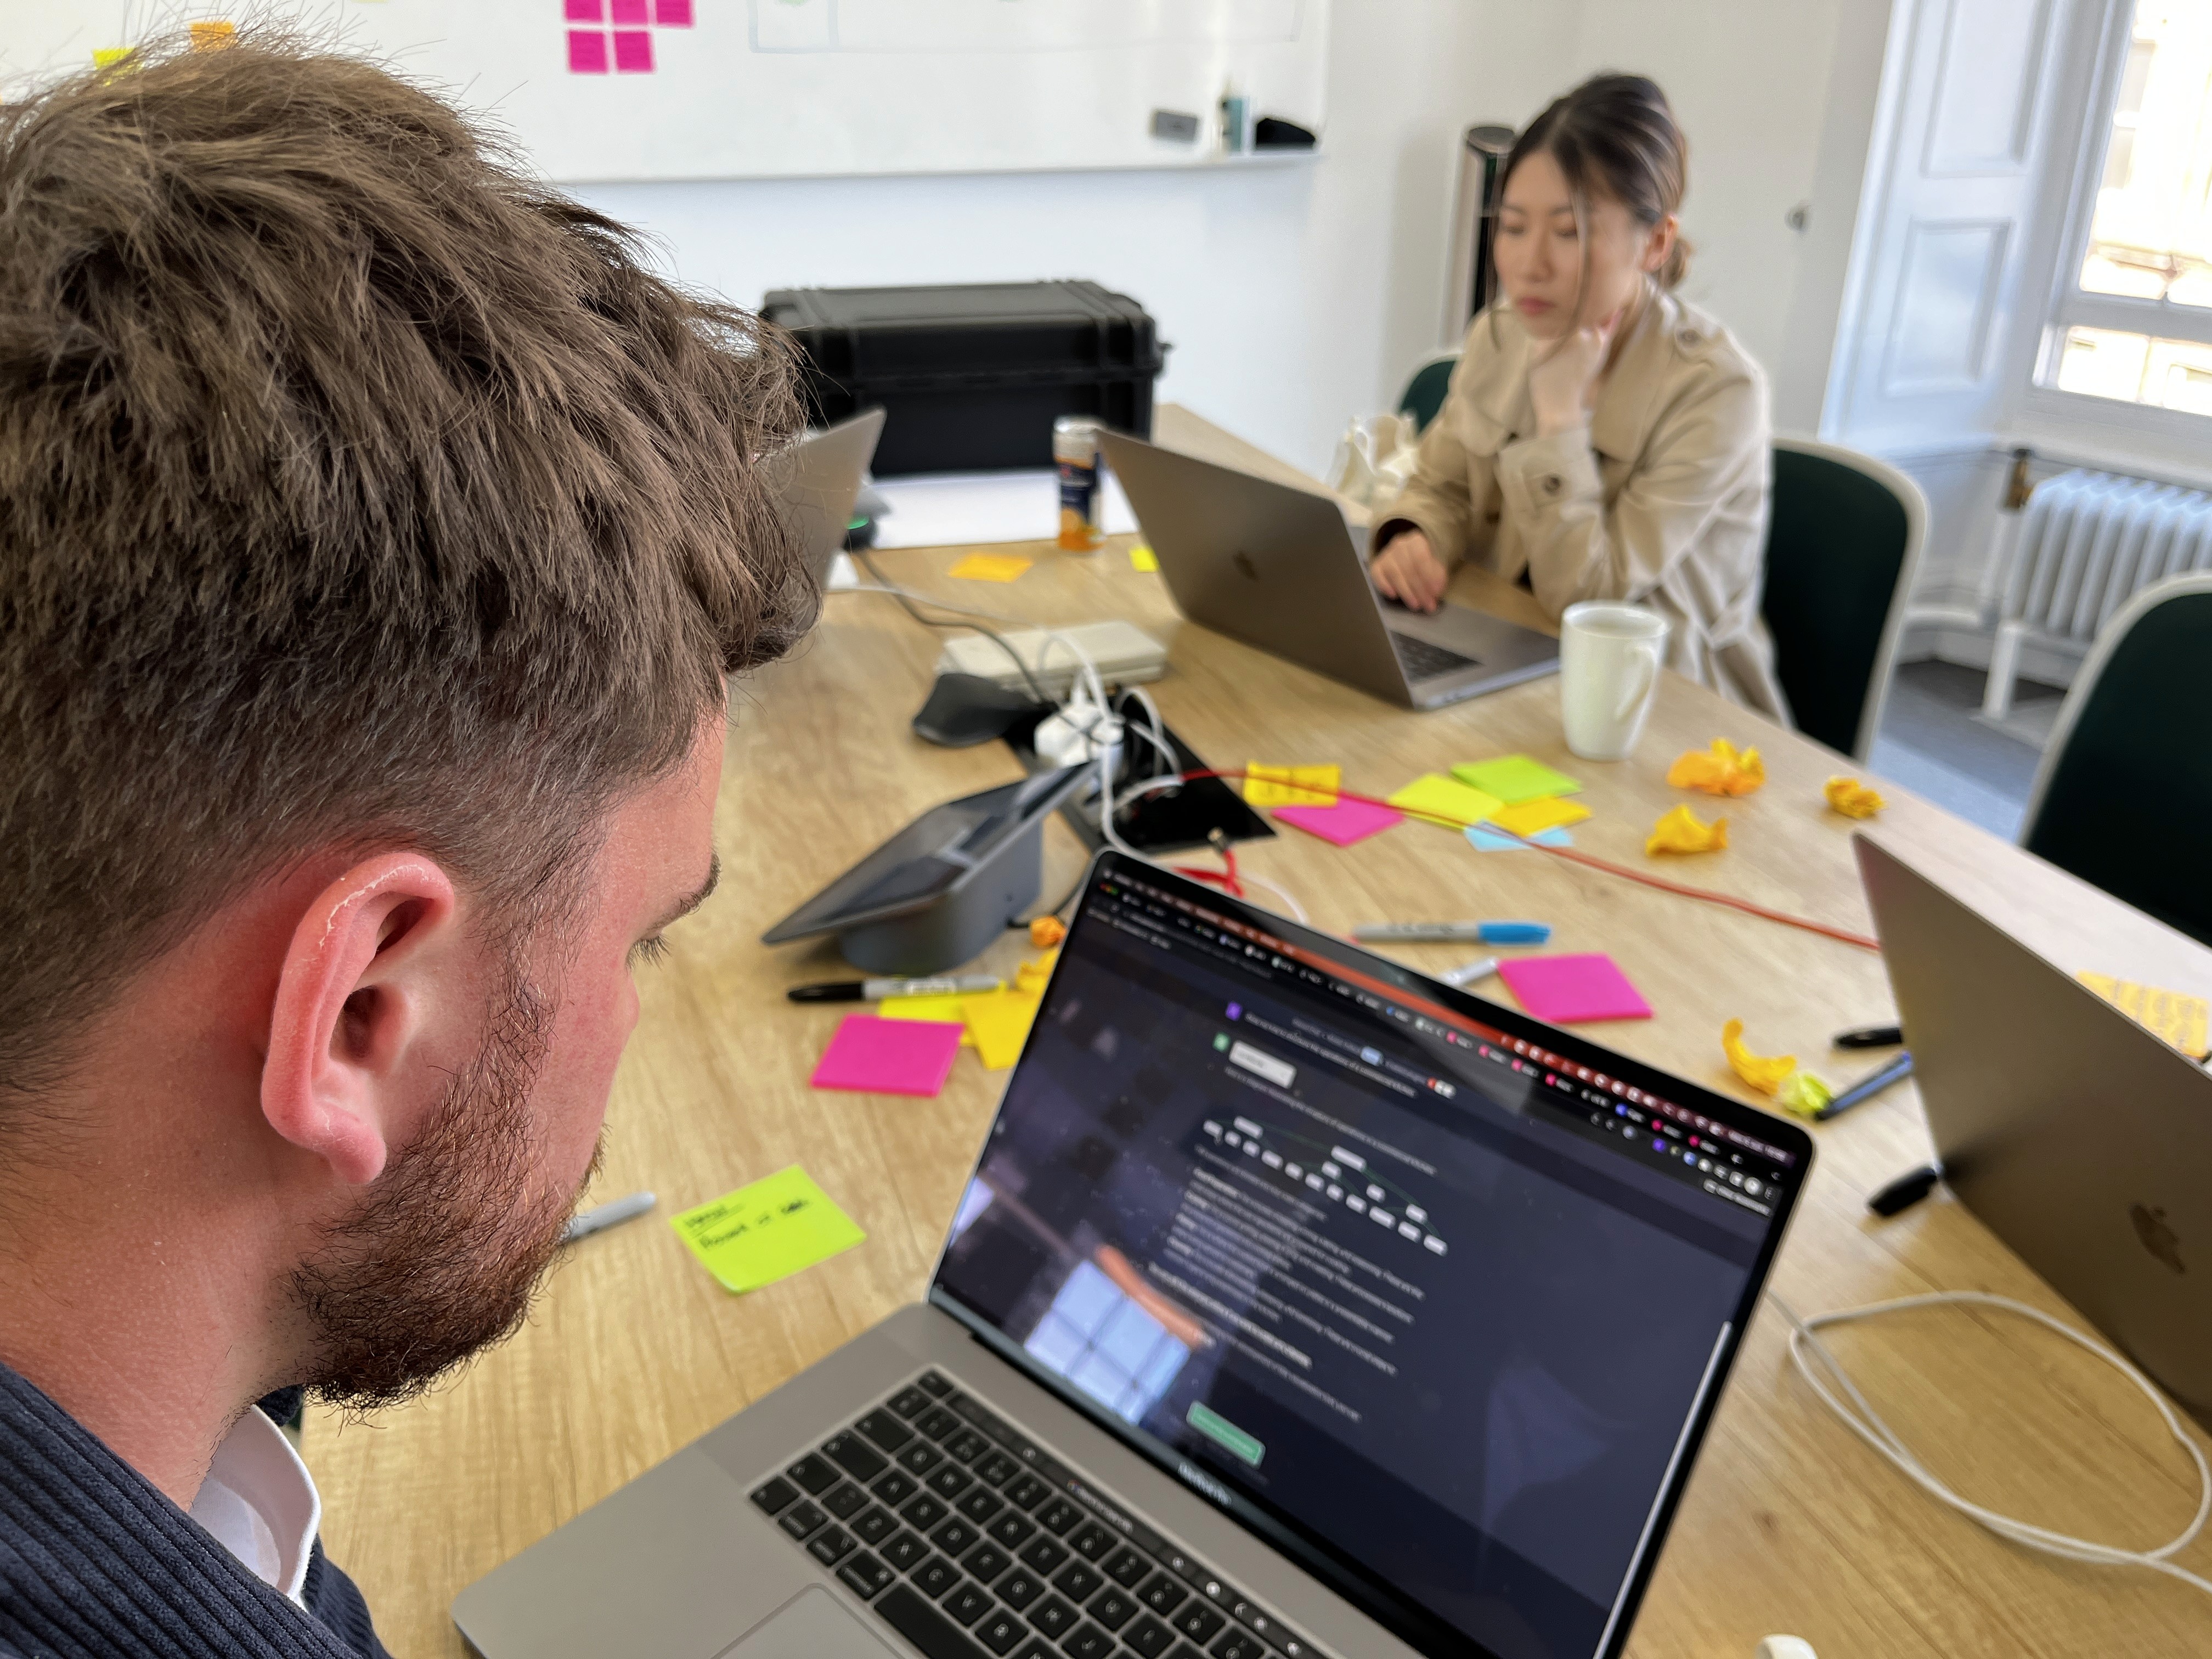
column 876, row 1056
column 1489, row 840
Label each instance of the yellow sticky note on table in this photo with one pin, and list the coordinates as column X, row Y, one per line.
column 940, row 1010
column 1435, row 798
column 2176, row 1015
column 1280, row 786
column 1516, row 778
column 108, row 57
column 1142, row 557
column 991, row 566
column 768, row 1231
column 1000, row 1023
column 1532, row 818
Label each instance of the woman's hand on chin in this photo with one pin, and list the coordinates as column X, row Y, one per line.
column 1562, row 381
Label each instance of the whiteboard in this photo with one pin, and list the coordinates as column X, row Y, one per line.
column 606, row 90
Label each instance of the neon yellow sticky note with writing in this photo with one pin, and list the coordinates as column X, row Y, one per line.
column 1291, row 786
column 1516, row 778
column 944, row 1010
column 1142, row 557
column 768, row 1231
column 1533, row 818
column 2176, row 1015
column 991, row 566
column 999, row 1022
column 1435, row 798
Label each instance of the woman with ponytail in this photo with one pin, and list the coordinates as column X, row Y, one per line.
column 1602, row 437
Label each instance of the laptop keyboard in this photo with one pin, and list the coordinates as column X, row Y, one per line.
column 972, row 1543
column 1422, row 660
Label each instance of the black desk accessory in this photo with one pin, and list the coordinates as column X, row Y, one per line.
column 966, row 709
column 944, row 887
column 1167, row 821
column 1272, row 132
column 1907, row 1190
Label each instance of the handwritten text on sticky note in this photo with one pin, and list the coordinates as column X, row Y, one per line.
column 768, row 1231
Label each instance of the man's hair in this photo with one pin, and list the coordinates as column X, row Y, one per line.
column 355, row 490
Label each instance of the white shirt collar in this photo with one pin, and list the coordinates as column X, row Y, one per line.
column 260, row 1504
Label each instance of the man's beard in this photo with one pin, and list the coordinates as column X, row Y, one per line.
column 443, row 1257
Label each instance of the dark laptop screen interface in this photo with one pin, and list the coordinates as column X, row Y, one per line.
column 1439, row 1298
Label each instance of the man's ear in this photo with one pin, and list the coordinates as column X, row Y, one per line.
column 351, row 1001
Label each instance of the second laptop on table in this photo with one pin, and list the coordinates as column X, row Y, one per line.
column 1279, row 567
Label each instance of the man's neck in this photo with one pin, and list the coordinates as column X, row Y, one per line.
column 149, row 1332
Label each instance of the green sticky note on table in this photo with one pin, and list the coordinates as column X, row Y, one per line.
column 768, row 1231
column 1435, row 798
column 1516, row 778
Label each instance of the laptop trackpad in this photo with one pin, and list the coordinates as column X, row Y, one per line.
column 810, row 1625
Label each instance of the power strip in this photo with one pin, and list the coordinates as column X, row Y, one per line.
column 1123, row 653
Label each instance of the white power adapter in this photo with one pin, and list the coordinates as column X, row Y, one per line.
column 1078, row 733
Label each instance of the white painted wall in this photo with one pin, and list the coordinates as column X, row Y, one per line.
column 1299, row 295
column 1777, row 102
column 1296, row 295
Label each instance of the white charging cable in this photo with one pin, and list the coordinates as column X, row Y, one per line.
column 1865, row 1422
column 1088, row 714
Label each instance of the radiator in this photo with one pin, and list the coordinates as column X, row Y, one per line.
column 2087, row 541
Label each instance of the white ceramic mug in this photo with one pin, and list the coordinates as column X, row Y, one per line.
column 1609, row 658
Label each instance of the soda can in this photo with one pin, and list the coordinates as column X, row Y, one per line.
column 1082, row 505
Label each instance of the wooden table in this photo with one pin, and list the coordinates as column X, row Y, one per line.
column 1789, row 1523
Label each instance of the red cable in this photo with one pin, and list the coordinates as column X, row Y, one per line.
column 1573, row 857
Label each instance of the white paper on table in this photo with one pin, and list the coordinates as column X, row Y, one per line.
column 964, row 509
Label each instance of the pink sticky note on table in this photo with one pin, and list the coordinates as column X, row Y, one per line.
column 876, row 1056
column 1565, row 989
column 584, row 11
column 587, row 52
column 633, row 52
column 1347, row 822
column 635, row 13
column 672, row 14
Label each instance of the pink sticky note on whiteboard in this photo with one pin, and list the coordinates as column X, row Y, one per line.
column 875, row 1056
column 587, row 52
column 633, row 52
column 585, row 11
column 1565, row 989
column 632, row 12
column 672, row 14
column 1347, row 822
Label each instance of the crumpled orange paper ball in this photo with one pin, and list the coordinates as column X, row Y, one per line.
column 1681, row 831
column 1853, row 798
column 1723, row 769
column 1764, row 1072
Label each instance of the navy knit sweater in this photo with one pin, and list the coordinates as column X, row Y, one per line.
column 96, row 1563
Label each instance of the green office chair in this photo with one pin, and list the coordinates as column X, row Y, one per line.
column 1425, row 393
column 1842, row 542
column 2133, row 729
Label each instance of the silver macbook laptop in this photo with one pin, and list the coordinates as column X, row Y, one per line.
column 1297, row 1305
column 1280, row 568
column 2082, row 1139
column 821, row 478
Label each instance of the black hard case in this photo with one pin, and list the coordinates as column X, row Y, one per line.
column 973, row 376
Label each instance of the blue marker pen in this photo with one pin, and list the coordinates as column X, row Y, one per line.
column 1453, row 932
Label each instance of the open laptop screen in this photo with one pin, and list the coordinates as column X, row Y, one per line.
column 1435, row 1296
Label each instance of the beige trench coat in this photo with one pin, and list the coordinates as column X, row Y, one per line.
column 1661, row 499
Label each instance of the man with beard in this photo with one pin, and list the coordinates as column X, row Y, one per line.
column 376, row 537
